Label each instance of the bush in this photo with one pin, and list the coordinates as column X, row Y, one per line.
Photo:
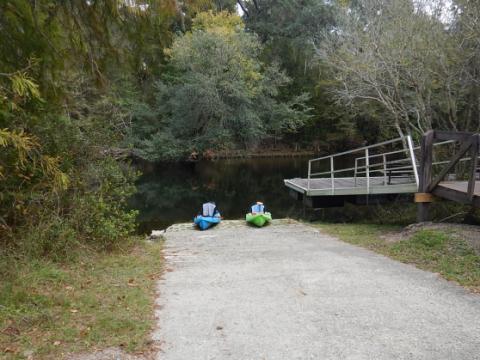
column 95, row 215
column 100, row 214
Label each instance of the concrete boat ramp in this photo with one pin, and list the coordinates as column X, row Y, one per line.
column 290, row 292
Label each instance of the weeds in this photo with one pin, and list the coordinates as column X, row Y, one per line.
column 99, row 300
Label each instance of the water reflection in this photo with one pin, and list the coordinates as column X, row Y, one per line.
column 169, row 193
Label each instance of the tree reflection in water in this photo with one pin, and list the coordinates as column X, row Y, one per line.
column 170, row 193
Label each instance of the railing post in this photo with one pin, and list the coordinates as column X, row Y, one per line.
column 384, row 157
column 425, row 177
column 355, row 172
column 332, row 174
column 412, row 158
column 308, row 175
column 367, row 169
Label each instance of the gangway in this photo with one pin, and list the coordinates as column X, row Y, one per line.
column 385, row 170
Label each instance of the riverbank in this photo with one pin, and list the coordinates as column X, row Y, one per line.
column 266, row 153
column 100, row 300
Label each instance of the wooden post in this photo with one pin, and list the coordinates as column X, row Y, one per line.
column 473, row 169
column 384, row 169
column 466, row 145
column 425, row 176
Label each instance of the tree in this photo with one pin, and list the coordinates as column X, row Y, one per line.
column 288, row 31
column 466, row 30
column 402, row 55
column 217, row 95
column 71, row 72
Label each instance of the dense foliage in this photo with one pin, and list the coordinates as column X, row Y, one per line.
column 417, row 60
column 64, row 108
column 216, row 94
column 289, row 32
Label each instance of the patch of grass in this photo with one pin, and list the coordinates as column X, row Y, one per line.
column 440, row 252
column 100, row 300
column 365, row 235
column 431, row 250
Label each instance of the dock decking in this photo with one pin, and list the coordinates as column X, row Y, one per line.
column 351, row 186
column 457, row 191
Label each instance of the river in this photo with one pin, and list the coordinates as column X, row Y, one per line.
column 173, row 192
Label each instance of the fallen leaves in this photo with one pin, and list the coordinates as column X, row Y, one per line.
column 11, row 331
column 116, row 291
column 131, row 282
column 84, row 331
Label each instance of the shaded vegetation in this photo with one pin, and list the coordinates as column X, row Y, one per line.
column 216, row 94
column 63, row 110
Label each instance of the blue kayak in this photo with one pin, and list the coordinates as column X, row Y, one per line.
column 204, row 222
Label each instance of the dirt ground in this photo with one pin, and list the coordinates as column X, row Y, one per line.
column 107, row 354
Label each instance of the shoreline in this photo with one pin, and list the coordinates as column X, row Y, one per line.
column 271, row 154
column 253, row 154
column 229, row 156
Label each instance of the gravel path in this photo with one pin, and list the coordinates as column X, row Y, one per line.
column 290, row 292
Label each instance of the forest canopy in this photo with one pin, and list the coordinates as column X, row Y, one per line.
column 216, row 94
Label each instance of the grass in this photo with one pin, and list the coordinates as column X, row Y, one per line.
column 433, row 250
column 100, row 300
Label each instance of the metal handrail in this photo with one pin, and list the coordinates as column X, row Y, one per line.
column 359, row 149
column 359, row 167
column 385, row 165
column 407, row 165
column 405, row 150
column 447, row 161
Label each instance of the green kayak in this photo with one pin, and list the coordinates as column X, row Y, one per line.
column 258, row 219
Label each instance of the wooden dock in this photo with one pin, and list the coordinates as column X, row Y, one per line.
column 432, row 180
column 395, row 167
column 458, row 191
column 376, row 171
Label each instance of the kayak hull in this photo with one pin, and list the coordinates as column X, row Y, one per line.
column 258, row 220
column 205, row 222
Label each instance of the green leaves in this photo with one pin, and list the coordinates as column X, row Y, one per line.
column 24, row 86
column 217, row 95
column 410, row 58
column 69, row 78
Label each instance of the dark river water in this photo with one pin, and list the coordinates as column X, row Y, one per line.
column 170, row 193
